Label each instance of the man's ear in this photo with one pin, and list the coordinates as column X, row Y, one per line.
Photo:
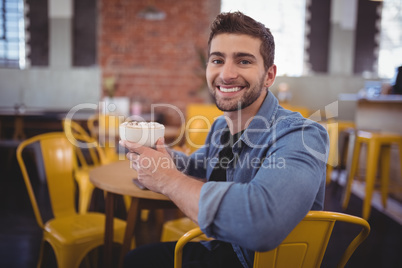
column 271, row 74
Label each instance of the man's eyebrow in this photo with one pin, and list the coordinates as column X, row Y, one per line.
column 244, row 54
column 217, row 53
column 236, row 55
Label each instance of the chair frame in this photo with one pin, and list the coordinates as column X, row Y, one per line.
column 198, row 121
column 322, row 219
column 71, row 235
column 78, row 136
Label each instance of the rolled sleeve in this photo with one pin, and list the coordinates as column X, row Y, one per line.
column 211, row 196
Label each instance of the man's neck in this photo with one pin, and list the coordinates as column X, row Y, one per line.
column 239, row 120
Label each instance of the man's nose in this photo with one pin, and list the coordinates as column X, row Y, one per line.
column 228, row 72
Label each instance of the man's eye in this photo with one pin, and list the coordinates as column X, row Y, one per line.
column 245, row 62
column 217, row 61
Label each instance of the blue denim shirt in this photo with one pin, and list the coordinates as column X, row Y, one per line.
column 278, row 177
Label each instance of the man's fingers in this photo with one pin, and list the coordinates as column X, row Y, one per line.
column 133, row 156
column 134, row 165
column 132, row 146
column 160, row 145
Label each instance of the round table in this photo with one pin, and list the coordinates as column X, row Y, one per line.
column 116, row 179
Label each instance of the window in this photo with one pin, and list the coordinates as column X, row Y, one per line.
column 390, row 54
column 12, row 34
column 286, row 20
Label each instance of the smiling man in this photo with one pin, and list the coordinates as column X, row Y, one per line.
column 260, row 171
column 236, row 74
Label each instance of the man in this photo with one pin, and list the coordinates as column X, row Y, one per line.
column 397, row 86
column 264, row 166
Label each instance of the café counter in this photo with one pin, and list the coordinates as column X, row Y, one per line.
column 381, row 113
column 384, row 114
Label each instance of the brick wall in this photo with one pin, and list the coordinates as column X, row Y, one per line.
column 155, row 61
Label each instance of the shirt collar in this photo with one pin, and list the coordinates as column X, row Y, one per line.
column 261, row 122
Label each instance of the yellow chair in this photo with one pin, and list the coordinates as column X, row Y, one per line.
column 305, row 112
column 71, row 235
column 81, row 140
column 73, row 130
column 305, row 246
column 334, row 128
column 199, row 119
column 174, row 229
column 105, row 129
column 378, row 148
column 78, row 136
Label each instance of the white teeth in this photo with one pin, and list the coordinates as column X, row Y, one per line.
column 231, row 89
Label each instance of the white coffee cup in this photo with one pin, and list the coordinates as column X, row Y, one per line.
column 143, row 133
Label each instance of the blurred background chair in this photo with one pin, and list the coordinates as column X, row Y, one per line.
column 83, row 143
column 305, row 112
column 104, row 128
column 71, row 235
column 84, row 146
column 305, row 246
column 378, row 151
column 338, row 132
column 199, row 119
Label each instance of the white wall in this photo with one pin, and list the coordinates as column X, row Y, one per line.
column 63, row 89
column 56, row 89
column 319, row 91
column 59, row 86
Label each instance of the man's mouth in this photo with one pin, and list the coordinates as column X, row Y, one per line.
column 229, row 89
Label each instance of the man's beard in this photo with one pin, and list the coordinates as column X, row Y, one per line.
column 248, row 98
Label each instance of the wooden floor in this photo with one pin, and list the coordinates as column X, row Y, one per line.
column 20, row 236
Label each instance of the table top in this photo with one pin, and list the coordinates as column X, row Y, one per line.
column 81, row 115
column 117, row 177
column 376, row 99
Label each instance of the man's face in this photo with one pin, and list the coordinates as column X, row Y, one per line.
column 235, row 71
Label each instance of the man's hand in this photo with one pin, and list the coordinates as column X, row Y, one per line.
column 157, row 171
column 154, row 166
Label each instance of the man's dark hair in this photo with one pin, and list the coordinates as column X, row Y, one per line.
column 238, row 23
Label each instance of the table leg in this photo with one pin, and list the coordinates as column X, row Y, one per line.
column 349, row 160
column 19, row 128
column 109, row 211
column 130, row 227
